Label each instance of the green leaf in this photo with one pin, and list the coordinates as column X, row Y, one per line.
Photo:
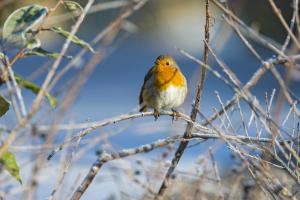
column 43, row 53
column 20, row 21
column 73, row 38
column 4, row 105
column 73, row 7
column 8, row 160
column 35, row 89
column 1, row 55
column 33, row 43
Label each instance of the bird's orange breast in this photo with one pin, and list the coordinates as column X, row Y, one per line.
column 164, row 76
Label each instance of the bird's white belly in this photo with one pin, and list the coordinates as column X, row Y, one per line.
column 168, row 99
column 171, row 97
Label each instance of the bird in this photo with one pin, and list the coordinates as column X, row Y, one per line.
column 164, row 88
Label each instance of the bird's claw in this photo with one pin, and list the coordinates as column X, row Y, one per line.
column 175, row 115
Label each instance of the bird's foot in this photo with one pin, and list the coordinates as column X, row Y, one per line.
column 175, row 115
column 156, row 114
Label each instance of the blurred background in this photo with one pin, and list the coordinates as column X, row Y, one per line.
column 159, row 27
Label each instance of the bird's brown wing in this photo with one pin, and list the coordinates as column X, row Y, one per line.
column 143, row 108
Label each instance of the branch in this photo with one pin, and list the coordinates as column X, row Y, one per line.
column 207, row 133
column 252, row 82
column 89, row 127
column 250, row 32
column 106, row 157
column 283, row 22
column 182, row 146
column 121, row 154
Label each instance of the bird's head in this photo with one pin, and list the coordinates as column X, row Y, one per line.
column 166, row 60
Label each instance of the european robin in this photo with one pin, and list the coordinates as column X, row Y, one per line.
column 164, row 86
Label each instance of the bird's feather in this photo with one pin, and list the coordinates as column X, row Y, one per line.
column 149, row 74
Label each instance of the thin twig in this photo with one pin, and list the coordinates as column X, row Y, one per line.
column 283, row 22
column 225, row 111
column 217, row 174
column 292, row 25
column 101, row 6
column 261, row 39
column 16, row 87
column 89, row 127
column 245, row 41
column 11, row 94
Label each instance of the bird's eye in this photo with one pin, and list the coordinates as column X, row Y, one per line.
column 167, row 63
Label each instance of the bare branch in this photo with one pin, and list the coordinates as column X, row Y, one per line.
column 182, row 146
column 283, row 22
